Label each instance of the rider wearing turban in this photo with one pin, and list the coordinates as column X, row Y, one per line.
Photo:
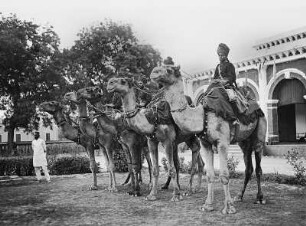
column 225, row 70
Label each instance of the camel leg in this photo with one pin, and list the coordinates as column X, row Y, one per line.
column 194, row 145
column 209, row 161
column 176, row 164
column 93, row 166
column 130, row 179
column 177, row 167
column 171, row 150
column 224, row 177
column 127, row 180
column 247, row 157
column 166, row 185
column 111, row 167
column 136, row 167
column 259, row 148
column 153, row 148
column 258, row 154
column 148, row 158
column 201, row 166
column 130, row 169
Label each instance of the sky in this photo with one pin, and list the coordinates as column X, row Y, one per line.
column 187, row 30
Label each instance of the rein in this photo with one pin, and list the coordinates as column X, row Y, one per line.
column 100, row 112
column 180, row 109
column 61, row 122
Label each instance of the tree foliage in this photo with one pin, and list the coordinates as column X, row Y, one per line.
column 105, row 50
column 29, row 70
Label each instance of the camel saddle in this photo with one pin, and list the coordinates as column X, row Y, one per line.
column 216, row 100
column 159, row 113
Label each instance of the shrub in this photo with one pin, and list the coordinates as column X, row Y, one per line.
column 69, row 165
column 120, row 161
column 164, row 163
column 184, row 167
column 295, row 160
column 71, row 148
column 21, row 166
column 232, row 164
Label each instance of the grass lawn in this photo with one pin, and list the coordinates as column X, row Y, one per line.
column 67, row 201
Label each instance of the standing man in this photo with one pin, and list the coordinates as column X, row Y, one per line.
column 39, row 157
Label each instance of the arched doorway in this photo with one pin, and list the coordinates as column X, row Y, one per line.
column 291, row 109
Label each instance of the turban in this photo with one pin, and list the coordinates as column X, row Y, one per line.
column 222, row 48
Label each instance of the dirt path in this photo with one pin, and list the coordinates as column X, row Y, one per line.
column 67, row 201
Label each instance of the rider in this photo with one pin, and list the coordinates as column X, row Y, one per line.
column 225, row 72
column 144, row 96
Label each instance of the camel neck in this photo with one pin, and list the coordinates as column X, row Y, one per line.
column 129, row 101
column 175, row 96
column 82, row 109
column 105, row 122
column 59, row 118
column 67, row 129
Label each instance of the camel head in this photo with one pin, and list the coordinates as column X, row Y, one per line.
column 120, row 85
column 71, row 96
column 165, row 75
column 50, row 106
column 90, row 93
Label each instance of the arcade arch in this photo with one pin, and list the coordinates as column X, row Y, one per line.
column 287, row 89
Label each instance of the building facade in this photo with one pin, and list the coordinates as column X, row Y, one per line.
column 276, row 77
column 47, row 134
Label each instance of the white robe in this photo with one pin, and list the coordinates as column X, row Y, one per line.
column 39, row 154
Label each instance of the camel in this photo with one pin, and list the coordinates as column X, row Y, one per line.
column 164, row 133
column 55, row 108
column 132, row 142
column 105, row 140
column 214, row 131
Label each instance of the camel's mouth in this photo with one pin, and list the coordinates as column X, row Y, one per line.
column 154, row 76
column 110, row 89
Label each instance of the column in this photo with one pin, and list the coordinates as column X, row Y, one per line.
column 262, row 87
column 272, row 119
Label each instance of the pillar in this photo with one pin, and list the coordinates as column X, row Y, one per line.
column 272, row 117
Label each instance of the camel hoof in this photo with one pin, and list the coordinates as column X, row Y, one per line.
column 134, row 193
column 165, row 187
column 228, row 209
column 93, row 188
column 126, row 184
column 151, row 198
column 191, row 191
column 238, row 198
column 177, row 198
column 150, row 185
column 207, row 208
column 263, row 202
column 110, row 189
column 187, row 193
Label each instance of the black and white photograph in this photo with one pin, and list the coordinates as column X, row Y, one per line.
column 152, row 112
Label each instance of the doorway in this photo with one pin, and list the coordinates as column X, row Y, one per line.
column 286, row 123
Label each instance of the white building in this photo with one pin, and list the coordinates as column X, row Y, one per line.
column 276, row 77
column 46, row 133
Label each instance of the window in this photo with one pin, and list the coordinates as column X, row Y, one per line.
column 18, row 137
column 47, row 136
